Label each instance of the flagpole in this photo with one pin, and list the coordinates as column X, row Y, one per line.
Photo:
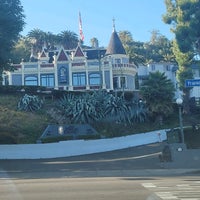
column 81, row 35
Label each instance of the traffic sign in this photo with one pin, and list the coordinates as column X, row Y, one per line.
column 192, row 82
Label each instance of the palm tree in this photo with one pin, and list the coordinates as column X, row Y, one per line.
column 50, row 40
column 38, row 38
column 158, row 92
column 68, row 39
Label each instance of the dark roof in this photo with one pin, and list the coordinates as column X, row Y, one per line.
column 115, row 46
column 62, row 56
column 95, row 53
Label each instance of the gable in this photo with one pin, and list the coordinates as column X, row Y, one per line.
column 78, row 52
column 62, row 56
column 43, row 55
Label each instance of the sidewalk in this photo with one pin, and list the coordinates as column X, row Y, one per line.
column 183, row 158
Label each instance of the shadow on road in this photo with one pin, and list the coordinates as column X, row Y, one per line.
column 114, row 163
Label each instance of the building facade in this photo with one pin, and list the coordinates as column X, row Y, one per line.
column 77, row 70
column 169, row 69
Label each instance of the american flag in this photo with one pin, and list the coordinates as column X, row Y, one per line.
column 80, row 28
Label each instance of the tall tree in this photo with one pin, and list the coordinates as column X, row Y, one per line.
column 184, row 16
column 21, row 50
column 68, row 39
column 38, row 39
column 12, row 23
column 134, row 49
column 159, row 48
column 158, row 92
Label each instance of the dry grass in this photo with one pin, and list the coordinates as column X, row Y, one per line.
column 24, row 127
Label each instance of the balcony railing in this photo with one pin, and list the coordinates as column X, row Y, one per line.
column 123, row 65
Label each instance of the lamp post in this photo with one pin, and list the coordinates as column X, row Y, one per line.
column 179, row 102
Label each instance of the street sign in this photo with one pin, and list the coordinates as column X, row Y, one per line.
column 192, row 82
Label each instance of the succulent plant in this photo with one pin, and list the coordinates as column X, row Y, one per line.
column 100, row 105
column 30, row 103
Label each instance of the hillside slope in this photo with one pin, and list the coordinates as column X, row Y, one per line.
column 18, row 126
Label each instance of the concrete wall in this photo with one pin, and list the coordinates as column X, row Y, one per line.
column 183, row 157
column 78, row 147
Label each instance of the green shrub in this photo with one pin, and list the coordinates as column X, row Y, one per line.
column 102, row 106
column 192, row 137
column 30, row 103
column 6, row 138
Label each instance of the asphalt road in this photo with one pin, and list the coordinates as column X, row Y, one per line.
column 100, row 164
column 120, row 175
column 101, row 188
column 73, row 189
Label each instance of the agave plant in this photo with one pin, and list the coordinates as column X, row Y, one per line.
column 101, row 105
column 116, row 109
column 30, row 103
column 83, row 109
column 138, row 111
column 101, row 100
column 67, row 104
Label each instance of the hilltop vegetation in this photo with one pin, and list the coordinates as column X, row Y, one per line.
column 19, row 126
column 26, row 127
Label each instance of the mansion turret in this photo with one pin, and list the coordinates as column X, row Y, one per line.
column 78, row 69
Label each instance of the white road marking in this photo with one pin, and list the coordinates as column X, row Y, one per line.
column 166, row 195
column 148, row 185
column 179, row 191
column 8, row 188
column 189, row 199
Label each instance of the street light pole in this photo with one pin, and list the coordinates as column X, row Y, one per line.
column 179, row 101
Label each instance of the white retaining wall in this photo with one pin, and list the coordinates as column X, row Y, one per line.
column 78, row 147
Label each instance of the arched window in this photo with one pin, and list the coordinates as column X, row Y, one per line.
column 31, row 80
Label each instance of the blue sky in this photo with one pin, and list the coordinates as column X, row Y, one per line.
column 139, row 17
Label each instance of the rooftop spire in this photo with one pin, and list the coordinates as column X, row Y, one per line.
column 115, row 45
column 113, row 24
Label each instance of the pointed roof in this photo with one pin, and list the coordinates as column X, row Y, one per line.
column 115, row 45
column 43, row 55
column 78, row 52
column 62, row 56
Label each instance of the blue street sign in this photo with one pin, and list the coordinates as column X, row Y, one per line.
column 192, row 82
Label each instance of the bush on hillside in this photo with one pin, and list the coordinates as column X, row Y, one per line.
column 6, row 138
column 30, row 103
column 101, row 106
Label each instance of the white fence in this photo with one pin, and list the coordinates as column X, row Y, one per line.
column 78, row 147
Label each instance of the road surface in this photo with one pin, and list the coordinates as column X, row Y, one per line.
column 103, row 188
column 120, row 175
